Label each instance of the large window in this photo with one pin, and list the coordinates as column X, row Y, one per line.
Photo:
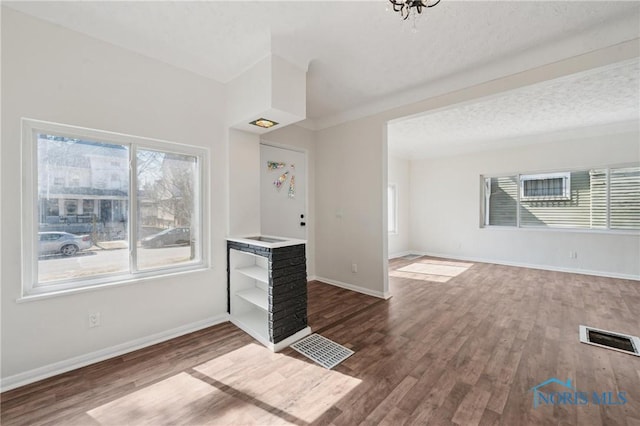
column 599, row 198
column 103, row 207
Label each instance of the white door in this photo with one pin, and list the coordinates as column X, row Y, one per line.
column 283, row 184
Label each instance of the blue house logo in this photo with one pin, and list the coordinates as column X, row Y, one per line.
column 538, row 395
column 570, row 396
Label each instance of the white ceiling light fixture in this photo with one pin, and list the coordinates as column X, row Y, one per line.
column 411, row 7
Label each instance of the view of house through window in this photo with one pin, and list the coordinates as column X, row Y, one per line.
column 598, row 198
column 88, row 225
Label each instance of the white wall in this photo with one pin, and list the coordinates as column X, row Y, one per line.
column 300, row 138
column 244, row 183
column 398, row 174
column 53, row 74
column 446, row 197
column 351, row 217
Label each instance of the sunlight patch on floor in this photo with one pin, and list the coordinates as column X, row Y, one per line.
column 432, row 270
column 298, row 388
column 250, row 385
column 161, row 403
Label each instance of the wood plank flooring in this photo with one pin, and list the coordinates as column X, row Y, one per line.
column 446, row 349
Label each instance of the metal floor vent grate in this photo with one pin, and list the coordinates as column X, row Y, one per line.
column 610, row 340
column 325, row 352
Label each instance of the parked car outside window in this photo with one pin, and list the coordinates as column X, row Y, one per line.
column 62, row 243
column 168, row 237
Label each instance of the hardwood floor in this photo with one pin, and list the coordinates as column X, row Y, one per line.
column 458, row 343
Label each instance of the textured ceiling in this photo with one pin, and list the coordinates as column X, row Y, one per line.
column 605, row 96
column 357, row 53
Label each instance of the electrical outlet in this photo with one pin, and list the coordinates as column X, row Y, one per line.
column 94, row 319
column 354, row 267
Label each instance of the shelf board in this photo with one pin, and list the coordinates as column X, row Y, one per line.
column 256, row 296
column 255, row 272
column 255, row 323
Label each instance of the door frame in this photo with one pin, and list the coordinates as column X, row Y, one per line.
column 304, row 151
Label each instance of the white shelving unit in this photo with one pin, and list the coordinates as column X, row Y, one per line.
column 257, row 296
column 249, row 279
column 256, row 272
column 249, row 282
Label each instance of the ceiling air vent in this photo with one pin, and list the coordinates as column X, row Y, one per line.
column 610, row 340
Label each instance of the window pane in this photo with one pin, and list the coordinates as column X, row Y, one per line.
column 625, row 198
column 574, row 212
column 167, row 209
column 503, row 201
column 78, row 214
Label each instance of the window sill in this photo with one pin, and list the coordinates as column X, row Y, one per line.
column 568, row 230
column 41, row 295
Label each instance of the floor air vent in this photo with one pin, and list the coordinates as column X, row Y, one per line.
column 325, row 352
column 610, row 340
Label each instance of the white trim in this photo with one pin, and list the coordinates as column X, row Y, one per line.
column 29, row 202
column 368, row 292
column 137, row 280
column 277, row 347
column 264, row 340
column 561, row 229
column 533, row 266
column 400, row 254
column 60, row 367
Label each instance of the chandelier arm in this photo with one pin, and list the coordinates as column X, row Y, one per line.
column 405, row 12
column 405, row 7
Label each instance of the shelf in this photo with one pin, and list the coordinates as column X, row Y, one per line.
column 255, row 296
column 255, row 272
column 255, row 323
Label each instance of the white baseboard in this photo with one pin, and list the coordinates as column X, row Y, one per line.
column 400, row 254
column 533, row 266
column 60, row 367
column 369, row 292
column 277, row 347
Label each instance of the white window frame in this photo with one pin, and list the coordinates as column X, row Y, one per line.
column 566, row 186
column 394, row 189
column 29, row 195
